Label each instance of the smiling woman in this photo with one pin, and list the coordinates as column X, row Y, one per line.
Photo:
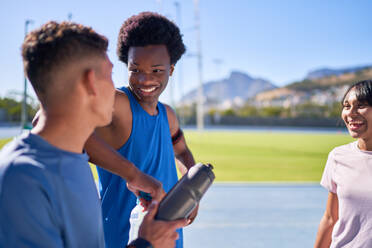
column 347, row 220
column 357, row 113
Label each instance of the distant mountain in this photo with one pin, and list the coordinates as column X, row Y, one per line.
column 238, row 85
column 320, row 90
column 323, row 86
column 325, row 72
column 349, row 75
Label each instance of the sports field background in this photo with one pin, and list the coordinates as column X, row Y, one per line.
column 262, row 156
column 265, row 156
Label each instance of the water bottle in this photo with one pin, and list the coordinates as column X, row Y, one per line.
column 182, row 199
column 135, row 220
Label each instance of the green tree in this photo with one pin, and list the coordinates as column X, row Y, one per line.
column 334, row 110
column 228, row 112
column 13, row 109
column 271, row 111
column 310, row 109
column 247, row 111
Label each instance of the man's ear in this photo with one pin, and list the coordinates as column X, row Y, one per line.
column 88, row 81
column 171, row 70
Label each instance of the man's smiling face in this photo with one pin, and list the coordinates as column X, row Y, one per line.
column 149, row 69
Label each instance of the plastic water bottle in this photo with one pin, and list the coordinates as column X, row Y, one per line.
column 135, row 220
column 185, row 195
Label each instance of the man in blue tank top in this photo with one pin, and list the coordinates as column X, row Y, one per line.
column 143, row 130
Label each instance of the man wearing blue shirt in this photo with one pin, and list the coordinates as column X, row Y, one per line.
column 47, row 194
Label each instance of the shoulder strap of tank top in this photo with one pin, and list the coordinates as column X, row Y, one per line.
column 133, row 102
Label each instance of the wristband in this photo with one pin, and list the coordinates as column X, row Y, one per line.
column 140, row 243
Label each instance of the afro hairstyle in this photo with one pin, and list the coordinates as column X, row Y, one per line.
column 149, row 28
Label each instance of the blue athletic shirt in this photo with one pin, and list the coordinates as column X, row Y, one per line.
column 150, row 148
column 48, row 197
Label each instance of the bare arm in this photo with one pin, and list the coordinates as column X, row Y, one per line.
column 184, row 156
column 105, row 156
column 330, row 217
column 102, row 154
column 185, row 159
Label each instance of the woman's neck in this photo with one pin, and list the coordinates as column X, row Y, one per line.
column 365, row 144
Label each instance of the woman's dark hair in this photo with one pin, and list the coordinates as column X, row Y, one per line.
column 363, row 91
column 148, row 28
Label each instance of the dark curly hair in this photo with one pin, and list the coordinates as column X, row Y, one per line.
column 55, row 44
column 148, row 28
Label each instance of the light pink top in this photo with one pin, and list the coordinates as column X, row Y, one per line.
column 348, row 173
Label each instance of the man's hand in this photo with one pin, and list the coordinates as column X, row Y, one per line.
column 148, row 184
column 161, row 234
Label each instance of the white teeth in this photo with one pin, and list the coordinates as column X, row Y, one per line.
column 355, row 123
column 148, row 90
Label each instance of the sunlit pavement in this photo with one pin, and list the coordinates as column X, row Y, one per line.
column 258, row 215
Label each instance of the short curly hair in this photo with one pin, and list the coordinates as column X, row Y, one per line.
column 55, row 44
column 149, row 28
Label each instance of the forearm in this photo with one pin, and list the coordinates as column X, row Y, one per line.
column 104, row 156
column 324, row 236
column 186, row 160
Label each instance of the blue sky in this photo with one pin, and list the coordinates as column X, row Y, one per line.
column 277, row 40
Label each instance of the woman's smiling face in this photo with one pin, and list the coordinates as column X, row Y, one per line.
column 357, row 116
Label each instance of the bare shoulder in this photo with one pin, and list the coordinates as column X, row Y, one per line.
column 172, row 119
column 121, row 108
column 118, row 131
column 170, row 112
column 122, row 112
column 121, row 100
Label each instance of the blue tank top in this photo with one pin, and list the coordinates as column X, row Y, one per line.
column 150, row 148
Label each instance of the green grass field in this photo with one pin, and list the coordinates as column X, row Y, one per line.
column 3, row 142
column 260, row 156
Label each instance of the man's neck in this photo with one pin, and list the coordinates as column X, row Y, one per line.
column 66, row 133
column 150, row 107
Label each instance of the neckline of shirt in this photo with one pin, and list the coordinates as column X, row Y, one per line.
column 355, row 145
column 29, row 137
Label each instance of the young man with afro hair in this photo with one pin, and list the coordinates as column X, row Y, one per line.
column 143, row 130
